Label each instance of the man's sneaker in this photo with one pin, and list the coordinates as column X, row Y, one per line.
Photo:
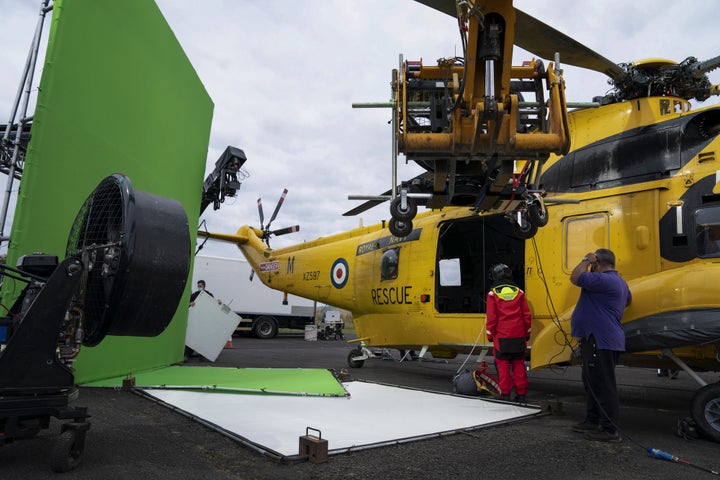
column 603, row 436
column 584, row 427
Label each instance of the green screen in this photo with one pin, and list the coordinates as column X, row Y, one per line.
column 283, row 381
column 117, row 94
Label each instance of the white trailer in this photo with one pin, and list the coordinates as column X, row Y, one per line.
column 262, row 309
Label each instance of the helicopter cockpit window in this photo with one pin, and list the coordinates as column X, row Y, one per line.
column 665, row 107
column 389, row 264
column 450, row 272
column 707, row 232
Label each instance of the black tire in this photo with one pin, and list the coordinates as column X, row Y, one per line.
column 397, row 212
column 525, row 230
column 537, row 215
column 705, row 410
column 356, row 352
column 65, row 453
column 265, row 327
column 400, row 228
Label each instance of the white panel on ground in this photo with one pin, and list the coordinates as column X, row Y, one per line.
column 373, row 414
column 210, row 325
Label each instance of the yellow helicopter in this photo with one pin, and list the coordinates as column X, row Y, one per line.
column 640, row 177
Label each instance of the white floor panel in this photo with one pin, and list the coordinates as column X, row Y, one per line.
column 372, row 414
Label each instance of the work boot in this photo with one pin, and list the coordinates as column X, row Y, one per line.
column 585, row 427
column 520, row 399
column 604, row 436
column 505, row 397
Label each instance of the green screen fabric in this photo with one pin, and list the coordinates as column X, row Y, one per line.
column 117, row 95
column 284, row 381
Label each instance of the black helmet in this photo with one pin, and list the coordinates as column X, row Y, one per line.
column 500, row 272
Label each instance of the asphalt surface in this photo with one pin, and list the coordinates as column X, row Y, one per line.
column 132, row 436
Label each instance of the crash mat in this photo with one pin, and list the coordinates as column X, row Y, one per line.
column 282, row 381
column 373, row 415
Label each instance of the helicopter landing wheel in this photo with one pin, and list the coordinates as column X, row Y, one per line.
column 355, row 352
column 705, row 410
column 405, row 214
column 537, row 215
column 400, row 228
column 523, row 228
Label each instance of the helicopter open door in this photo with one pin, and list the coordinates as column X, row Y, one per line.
column 466, row 251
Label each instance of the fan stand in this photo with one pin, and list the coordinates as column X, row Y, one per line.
column 128, row 260
column 34, row 385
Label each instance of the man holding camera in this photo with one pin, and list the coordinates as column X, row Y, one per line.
column 596, row 323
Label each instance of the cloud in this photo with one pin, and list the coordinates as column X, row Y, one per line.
column 284, row 75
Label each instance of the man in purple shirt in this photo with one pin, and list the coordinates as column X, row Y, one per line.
column 596, row 324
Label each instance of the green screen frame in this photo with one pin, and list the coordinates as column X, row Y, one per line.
column 117, row 95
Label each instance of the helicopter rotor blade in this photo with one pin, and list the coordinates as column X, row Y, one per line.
column 277, row 208
column 423, row 177
column 260, row 211
column 364, row 206
column 544, row 41
column 286, row 230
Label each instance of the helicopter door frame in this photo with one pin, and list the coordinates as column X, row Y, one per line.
column 472, row 246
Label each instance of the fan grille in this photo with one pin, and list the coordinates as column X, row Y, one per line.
column 97, row 238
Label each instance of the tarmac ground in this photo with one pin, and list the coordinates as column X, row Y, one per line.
column 131, row 435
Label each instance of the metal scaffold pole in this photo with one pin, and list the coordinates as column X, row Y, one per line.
column 22, row 96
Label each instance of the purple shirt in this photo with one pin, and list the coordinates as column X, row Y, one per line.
column 602, row 302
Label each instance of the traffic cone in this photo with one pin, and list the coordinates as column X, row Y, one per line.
column 229, row 343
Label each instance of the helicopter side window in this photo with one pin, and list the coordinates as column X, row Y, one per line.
column 707, row 232
column 584, row 233
column 389, row 264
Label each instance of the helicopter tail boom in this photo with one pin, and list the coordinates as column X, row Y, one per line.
column 239, row 238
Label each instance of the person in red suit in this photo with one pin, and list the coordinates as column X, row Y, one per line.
column 508, row 327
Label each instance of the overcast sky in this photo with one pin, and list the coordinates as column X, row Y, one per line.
column 284, row 75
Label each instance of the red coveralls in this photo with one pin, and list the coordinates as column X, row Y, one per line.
column 508, row 316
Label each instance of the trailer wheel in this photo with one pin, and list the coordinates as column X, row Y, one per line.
column 356, row 352
column 399, row 213
column 66, row 452
column 400, row 228
column 537, row 215
column 265, row 327
column 705, row 410
column 525, row 229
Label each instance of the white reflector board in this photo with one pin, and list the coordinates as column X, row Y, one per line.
column 373, row 415
column 209, row 326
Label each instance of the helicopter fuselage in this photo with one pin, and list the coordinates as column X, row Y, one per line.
column 642, row 175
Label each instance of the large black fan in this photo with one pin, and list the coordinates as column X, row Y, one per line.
column 136, row 250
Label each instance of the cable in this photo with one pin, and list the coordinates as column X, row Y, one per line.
column 480, row 331
column 550, row 303
column 566, row 339
column 659, row 454
column 656, row 453
column 200, row 247
column 566, row 342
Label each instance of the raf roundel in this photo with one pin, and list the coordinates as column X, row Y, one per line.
column 339, row 273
